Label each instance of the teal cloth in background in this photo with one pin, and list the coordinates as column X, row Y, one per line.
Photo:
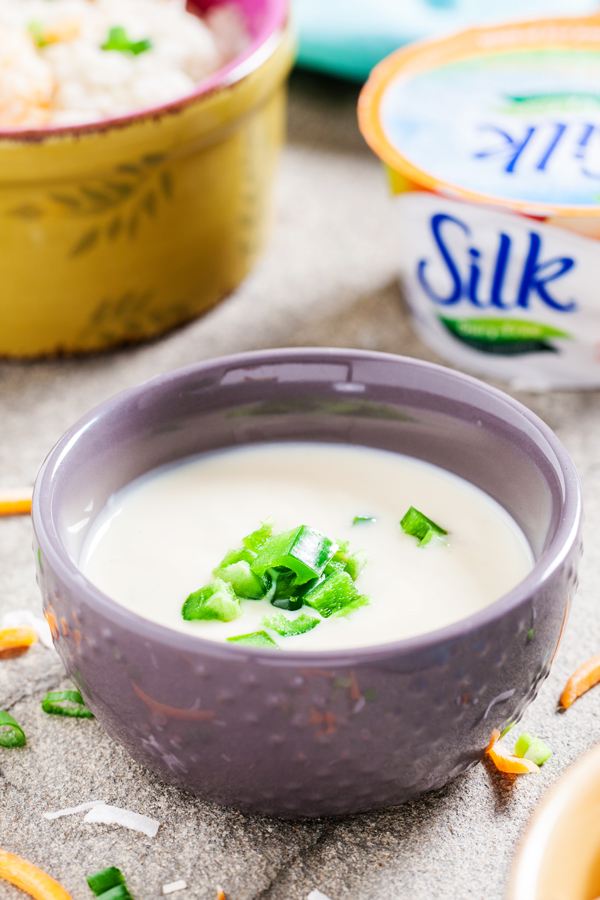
column 348, row 37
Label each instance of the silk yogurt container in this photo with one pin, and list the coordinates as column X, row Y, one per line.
column 491, row 138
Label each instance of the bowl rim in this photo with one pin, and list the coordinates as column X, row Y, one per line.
column 59, row 560
column 262, row 46
column 528, row 864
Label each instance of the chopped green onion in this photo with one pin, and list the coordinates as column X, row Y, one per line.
column 36, row 30
column 332, row 594
column 286, row 627
column 255, row 540
column 531, row 748
column 357, row 520
column 242, row 579
column 11, row 733
column 303, row 550
column 109, row 884
column 117, row 40
column 418, row 525
column 254, row 639
column 53, row 704
column 216, row 600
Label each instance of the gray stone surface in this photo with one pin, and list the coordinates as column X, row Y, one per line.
column 327, row 278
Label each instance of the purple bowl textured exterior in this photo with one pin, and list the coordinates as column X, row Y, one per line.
column 310, row 734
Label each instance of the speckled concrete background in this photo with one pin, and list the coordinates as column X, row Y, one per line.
column 327, row 279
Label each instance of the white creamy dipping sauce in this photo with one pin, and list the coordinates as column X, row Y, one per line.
column 158, row 539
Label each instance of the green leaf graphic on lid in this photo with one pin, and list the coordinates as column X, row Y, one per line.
column 557, row 101
column 506, row 337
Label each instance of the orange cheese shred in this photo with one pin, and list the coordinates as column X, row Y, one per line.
column 13, row 638
column 30, row 879
column 582, row 679
column 507, row 762
column 15, row 502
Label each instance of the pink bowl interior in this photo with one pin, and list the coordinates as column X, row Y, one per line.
column 263, row 18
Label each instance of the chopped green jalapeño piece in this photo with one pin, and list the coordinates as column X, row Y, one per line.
column 254, row 541
column 11, row 733
column 104, row 880
column 419, row 526
column 117, row 40
column 286, row 627
column 361, row 600
column 356, row 564
column 358, row 520
column 332, row 594
column 254, row 639
column 242, row 579
column 303, row 550
column 66, row 703
column 532, row 748
column 234, row 556
column 216, row 600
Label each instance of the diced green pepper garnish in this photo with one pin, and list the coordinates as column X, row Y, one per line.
column 303, row 550
column 119, row 892
column 243, row 554
column 255, row 540
column 418, row 525
column 289, row 603
column 531, row 748
column 11, row 733
column 332, row 594
column 361, row 600
column 254, row 639
column 283, row 592
column 357, row 520
column 66, row 703
column 102, row 881
column 242, row 579
column 356, row 564
column 286, row 627
column 216, row 600
column 117, row 40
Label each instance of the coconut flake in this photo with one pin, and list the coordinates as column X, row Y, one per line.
column 317, row 895
column 18, row 617
column 69, row 811
column 174, row 886
column 113, row 815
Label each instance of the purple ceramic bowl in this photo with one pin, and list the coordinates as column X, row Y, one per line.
column 310, row 734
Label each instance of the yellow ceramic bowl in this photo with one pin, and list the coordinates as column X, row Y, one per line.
column 559, row 858
column 118, row 231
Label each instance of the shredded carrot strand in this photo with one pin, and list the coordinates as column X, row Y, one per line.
column 16, row 502
column 221, row 894
column 582, row 679
column 29, row 878
column 507, row 762
column 17, row 637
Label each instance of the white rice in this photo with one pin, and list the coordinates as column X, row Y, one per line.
column 73, row 81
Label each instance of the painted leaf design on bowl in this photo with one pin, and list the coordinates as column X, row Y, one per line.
column 131, row 316
column 122, row 201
